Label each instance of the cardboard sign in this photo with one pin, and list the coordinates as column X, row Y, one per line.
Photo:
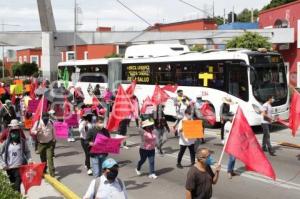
column 192, row 129
column 18, row 82
column 2, row 91
column 27, row 87
column 16, row 89
column 33, row 104
column 61, row 130
column 12, row 88
column 28, row 123
column 104, row 144
column 72, row 120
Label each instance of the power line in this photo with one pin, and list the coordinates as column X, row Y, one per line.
column 195, row 7
column 144, row 20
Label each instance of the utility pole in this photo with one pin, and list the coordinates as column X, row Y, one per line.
column 224, row 17
column 2, row 29
column 252, row 18
column 213, row 7
column 75, row 32
column 232, row 15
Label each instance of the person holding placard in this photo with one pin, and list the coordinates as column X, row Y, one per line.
column 97, row 158
column 147, row 148
column 185, row 142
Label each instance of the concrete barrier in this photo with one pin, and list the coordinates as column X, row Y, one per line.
column 61, row 188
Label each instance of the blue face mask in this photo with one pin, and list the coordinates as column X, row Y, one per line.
column 209, row 160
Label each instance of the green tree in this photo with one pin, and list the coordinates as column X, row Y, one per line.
column 29, row 69
column 113, row 55
column 17, row 69
column 6, row 191
column 197, row 48
column 220, row 20
column 275, row 3
column 245, row 15
column 249, row 40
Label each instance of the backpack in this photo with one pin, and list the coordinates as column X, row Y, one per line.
column 97, row 185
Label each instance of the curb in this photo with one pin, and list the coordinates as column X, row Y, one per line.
column 61, row 188
column 287, row 144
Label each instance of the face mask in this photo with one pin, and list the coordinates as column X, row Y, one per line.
column 15, row 137
column 272, row 100
column 112, row 174
column 209, row 160
column 199, row 99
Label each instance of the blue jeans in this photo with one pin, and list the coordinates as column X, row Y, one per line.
column 144, row 154
column 97, row 161
column 231, row 163
column 70, row 133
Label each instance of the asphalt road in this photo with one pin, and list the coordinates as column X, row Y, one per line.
column 171, row 181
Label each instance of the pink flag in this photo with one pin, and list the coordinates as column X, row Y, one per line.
column 61, row 130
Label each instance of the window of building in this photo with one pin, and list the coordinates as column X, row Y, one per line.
column 25, row 58
column 20, row 60
column 70, row 55
column 86, row 53
column 34, row 59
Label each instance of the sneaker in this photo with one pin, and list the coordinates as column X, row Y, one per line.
column 179, row 166
column 161, row 152
column 89, row 172
column 125, row 147
column 73, row 140
column 69, row 139
column 138, row 172
column 223, row 142
column 229, row 175
column 152, row 176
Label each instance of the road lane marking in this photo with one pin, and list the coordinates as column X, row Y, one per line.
column 251, row 175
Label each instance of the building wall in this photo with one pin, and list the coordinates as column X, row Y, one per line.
column 21, row 54
column 290, row 13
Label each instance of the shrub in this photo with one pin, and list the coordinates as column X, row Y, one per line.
column 6, row 191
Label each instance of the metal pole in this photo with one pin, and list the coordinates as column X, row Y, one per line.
column 3, row 69
column 75, row 32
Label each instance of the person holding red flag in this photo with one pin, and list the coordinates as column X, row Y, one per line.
column 265, row 123
column 243, row 145
column 14, row 153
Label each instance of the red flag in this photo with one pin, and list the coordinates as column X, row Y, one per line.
column 208, row 113
column 243, row 145
column 171, row 88
column 121, row 110
column 67, row 108
column 95, row 101
column 31, row 175
column 131, row 88
column 147, row 102
column 295, row 113
column 159, row 96
column 39, row 110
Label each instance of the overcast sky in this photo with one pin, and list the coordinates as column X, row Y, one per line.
column 110, row 13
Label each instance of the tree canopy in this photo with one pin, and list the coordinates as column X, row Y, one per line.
column 25, row 69
column 275, row 3
column 245, row 15
column 249, row 40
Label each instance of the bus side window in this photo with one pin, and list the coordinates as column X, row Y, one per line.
column 184, row 74
column 163, row 73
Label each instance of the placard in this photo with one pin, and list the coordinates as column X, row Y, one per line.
column 72, row 120
column 192, row 129
column 27, row 87
column 33, row 104
column 61, row 130
column 104, row 144
column 140, row 73
column 28, row 123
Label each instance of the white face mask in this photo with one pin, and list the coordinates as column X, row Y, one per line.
column 272, row 100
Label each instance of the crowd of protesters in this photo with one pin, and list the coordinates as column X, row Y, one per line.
column 151, row 123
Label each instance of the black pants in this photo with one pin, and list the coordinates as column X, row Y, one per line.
column 182, row 150
column 222, row 130
column 123, row 128
column 266, row 144
column 85, row 147
column 15, row 179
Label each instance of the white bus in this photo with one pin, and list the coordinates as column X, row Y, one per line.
column 248, row 77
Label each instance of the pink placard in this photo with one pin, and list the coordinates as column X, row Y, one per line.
column 104, row 144
column 72, row 120
column 33, row 104
column 61, row 130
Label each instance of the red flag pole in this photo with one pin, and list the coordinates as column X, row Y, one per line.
column 43, row 100
column 223, row 150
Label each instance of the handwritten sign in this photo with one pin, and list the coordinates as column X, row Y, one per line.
column 61, row 130
column 33, row 104
column 72, row 120
column 27, row 87
column 18, row 82
column 12, row 88
column 2, row 91
column 104, row 144
column 192, row 129
column 140, row 73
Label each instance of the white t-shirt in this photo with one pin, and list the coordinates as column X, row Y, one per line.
column 227, row 129
column 268, row 108
column 106, row 190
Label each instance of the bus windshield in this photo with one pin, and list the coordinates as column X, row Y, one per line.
column 269, row 78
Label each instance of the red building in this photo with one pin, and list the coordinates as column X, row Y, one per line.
column 29, row 55
column 197, row 24
column 286, row 16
